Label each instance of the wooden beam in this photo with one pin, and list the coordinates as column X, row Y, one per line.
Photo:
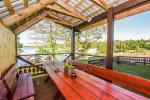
column 26, row 61
column 61, row 21
column 114, row 1
column 88, row 7
column 29, row 23
column 73, row 44
column 9, row 6
column 128, row 6
column 110, row 39
column 101, row 3
column 66, row 1
column 69, row 8
column 79, row 3
column 130, row 12
column 96, row 11
column 61, row 11
column 26, row 12
column 25, row 3
column 37, row 1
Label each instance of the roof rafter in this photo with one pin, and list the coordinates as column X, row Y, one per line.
column 26, row 12
column 89, row 6
column 66, row 1
column 61, row 21
column 25, row 3
column 9, row 6
column 61, row 11
column 29, row 23
column 101, row 3
column 79, row 3
column 37, row 1
column 71, row 9
column 97, row 10
column 125, row 9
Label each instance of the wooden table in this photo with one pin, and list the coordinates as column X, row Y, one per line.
column 86, row 86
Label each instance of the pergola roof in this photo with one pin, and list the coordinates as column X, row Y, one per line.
column 73, row 13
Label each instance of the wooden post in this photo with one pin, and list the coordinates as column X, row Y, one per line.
column 110, row 38
column 73, row 44
column 16, row 47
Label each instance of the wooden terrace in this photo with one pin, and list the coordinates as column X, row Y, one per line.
column 49, row 79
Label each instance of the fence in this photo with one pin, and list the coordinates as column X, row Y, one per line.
column 132, row 60
column 100, row 60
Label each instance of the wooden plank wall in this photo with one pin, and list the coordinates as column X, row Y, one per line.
column 7, row 48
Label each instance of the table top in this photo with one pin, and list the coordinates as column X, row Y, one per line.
column 86, row 86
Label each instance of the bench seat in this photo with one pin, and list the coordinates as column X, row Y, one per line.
column 24, row 88
column 16, row 87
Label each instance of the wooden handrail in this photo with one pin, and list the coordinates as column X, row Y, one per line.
column 24, row 60
column 130, row 81
column 89, row 55
column 42, row 54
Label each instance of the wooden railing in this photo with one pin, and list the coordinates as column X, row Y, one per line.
column 33, row 63
column 118, row 59
column 126, row 59
column 33, row 70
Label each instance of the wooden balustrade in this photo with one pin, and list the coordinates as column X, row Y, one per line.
column 132, row 60
column 33, row 70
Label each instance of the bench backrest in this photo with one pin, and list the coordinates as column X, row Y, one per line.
column 3, row 90
column 10, row 80
column 130, row 81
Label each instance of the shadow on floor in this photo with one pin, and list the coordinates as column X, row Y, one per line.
column 44, row 91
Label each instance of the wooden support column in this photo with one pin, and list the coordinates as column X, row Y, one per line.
column 110, row 38
column 73, row 44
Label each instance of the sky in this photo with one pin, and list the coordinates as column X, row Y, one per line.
column 133, row 27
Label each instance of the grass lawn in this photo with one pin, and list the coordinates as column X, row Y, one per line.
column 137, row 70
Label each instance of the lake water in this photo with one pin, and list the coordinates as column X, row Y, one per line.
column 29, row 50
column 32, row 50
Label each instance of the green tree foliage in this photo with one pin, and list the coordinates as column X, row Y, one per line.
column 138, row 45
column 48, row 36
column 88, row 38
column 19, row 46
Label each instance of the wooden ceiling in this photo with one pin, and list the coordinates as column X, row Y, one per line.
column 21, row 14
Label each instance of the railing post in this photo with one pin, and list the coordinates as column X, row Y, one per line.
column 110, row 38
column 73, row 43
column 144, row 61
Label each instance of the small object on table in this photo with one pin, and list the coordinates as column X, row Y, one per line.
column 56, row 70
column 73, row 73
column 65, row 70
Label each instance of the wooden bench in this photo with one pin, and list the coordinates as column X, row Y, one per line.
column 130, row 81
column 14, row 88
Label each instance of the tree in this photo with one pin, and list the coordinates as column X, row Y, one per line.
column 19, row 46
column 88, row 37
column 48, row 35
